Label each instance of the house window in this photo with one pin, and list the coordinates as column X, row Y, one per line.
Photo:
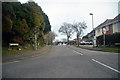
column 116, row 25
column 98, row 30
column 107, row 28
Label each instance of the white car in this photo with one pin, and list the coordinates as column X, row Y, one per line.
column 64, row 44
column 86, row 43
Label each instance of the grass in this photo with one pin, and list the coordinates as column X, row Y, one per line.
column 111, row 49
column 5, row 50
column 115, row 49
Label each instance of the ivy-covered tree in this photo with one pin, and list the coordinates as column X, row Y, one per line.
column 47, row 23
column 20, row 20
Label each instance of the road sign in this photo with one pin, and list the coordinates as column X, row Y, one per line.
column 104, row 30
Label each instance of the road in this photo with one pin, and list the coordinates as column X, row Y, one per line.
column 65, row 62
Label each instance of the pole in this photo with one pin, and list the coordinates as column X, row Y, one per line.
column 35, row 39
column 104, row 40
column 93, row 30
column 35, row 42
column 104, row 32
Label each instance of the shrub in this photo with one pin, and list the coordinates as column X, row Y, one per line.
column 110, row 39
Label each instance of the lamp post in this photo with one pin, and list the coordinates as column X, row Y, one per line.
column 93, row 28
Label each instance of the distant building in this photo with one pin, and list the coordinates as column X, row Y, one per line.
column 75, row 40
column 89, row 36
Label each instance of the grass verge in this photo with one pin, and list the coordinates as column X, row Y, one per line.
column 110, row 49
column 114, row 49
column 5, row 50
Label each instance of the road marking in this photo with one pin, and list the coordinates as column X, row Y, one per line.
column 106, row 66
column 77, row 52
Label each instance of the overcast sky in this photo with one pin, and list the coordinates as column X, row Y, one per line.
column 60, row 11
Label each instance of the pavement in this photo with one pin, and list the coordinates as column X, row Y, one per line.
column 90, row 47
column 65, row 62
column 22, row 56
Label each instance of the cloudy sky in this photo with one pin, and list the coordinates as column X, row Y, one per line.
column 70, row 11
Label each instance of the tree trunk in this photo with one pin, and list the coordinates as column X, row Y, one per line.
column 68, row 40
column 78, row 40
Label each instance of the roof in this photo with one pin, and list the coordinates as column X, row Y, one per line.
column 109, row 21
column 116, row 18
column 105, row 22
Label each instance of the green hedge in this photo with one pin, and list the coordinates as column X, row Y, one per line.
column 110, row 39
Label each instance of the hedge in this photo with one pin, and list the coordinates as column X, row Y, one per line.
column 110, row 39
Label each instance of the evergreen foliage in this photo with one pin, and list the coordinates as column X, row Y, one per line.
column 19, row 22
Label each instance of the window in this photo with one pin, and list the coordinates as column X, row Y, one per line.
column 116, row 25
column 107, row 28
column 98, row 30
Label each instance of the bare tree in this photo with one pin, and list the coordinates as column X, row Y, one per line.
column 49, row 37
column 78, row 28
column 66, row 29
column 9, row 0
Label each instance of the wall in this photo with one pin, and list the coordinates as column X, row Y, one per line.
column 116, row 27
column 98, row 33
column 110, row 31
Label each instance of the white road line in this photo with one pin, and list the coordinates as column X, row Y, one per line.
column 77, row 52
column 106, row 66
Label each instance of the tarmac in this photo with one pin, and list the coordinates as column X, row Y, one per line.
column 46, row 49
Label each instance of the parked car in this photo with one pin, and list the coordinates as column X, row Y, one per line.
column 86, row 43
column 64, row 44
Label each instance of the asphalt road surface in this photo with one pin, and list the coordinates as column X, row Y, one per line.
column 65, row 62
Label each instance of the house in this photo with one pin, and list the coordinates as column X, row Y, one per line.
column 116, row 24
column 111, row 26
column 99, row 28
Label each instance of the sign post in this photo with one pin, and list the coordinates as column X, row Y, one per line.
column 35, row 32
column 104, row 32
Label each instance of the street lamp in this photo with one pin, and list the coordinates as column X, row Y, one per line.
column 93, row 28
